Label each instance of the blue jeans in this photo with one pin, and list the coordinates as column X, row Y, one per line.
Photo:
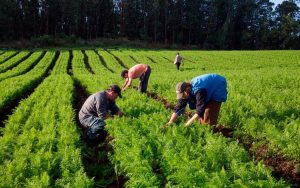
column 95, row 129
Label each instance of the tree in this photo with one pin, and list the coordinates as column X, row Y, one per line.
column 287, row 25
column 210, row 24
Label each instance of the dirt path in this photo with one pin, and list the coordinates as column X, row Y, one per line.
column 86, row 63
column 103, row 61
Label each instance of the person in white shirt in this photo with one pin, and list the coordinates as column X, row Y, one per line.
column 178, row 60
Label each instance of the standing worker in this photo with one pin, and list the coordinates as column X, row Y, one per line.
column 141, row 71
column 95, row 110
column 178, row 60
column 204, row 93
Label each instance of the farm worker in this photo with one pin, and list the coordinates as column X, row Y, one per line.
column 141, row 71
column 95, row 110
column 178, row 60
column 204, row 93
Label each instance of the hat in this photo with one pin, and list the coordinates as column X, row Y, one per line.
column 116, row 89
column 180, row 87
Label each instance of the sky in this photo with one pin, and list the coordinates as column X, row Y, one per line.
column 276, row 1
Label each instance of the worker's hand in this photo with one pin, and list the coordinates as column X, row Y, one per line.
column 108, row 117
column 201, row 120
column 187, row 125
column 167, row 125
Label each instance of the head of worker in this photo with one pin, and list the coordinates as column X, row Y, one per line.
column 124, row 74
column 113, row 92
column 183, row 90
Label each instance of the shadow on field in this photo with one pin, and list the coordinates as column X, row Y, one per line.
column 187, row 69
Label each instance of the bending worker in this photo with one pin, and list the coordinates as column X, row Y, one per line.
column 141, row 71
column 204, row 93
column 96, row 109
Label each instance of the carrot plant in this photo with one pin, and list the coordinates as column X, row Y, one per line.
column 13, row 88
column 13, row 61
column 6, row 55
column 40, row 140
column 263, row 85
column 178, row 156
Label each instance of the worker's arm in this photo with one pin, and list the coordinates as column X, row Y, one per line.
column 127, row 84
column 102, row 108
column 178, row 110
column 200, row 106
column 190, row 121
column 172, row 119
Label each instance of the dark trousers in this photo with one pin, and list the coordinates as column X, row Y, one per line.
column 211, row 113
column 178, row 65
column 144, row 80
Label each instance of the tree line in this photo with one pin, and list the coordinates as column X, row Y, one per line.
column 208, row 24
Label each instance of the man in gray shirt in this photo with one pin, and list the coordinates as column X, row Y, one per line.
column 96, row 109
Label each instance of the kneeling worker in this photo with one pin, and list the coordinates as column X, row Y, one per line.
column 95, row 110
column 204, row 93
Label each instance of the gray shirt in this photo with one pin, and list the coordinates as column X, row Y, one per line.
column 97, row 105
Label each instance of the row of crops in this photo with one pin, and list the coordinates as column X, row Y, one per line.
column 41, row 141
column 39, row 146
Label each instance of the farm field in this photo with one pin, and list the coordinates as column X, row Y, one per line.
column 42, row 144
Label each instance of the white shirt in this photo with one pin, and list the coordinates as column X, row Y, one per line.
column 178, row 59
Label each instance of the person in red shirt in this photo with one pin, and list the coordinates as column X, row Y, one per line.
column 141, row 71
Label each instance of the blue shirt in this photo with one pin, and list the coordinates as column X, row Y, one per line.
column 205, row 88
column 214, row 85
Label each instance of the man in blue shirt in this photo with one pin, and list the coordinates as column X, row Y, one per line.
column 204, row 93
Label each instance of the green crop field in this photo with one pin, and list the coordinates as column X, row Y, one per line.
column 41, row 142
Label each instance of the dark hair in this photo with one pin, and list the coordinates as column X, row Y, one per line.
column 123, row 73
column 115, row 89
